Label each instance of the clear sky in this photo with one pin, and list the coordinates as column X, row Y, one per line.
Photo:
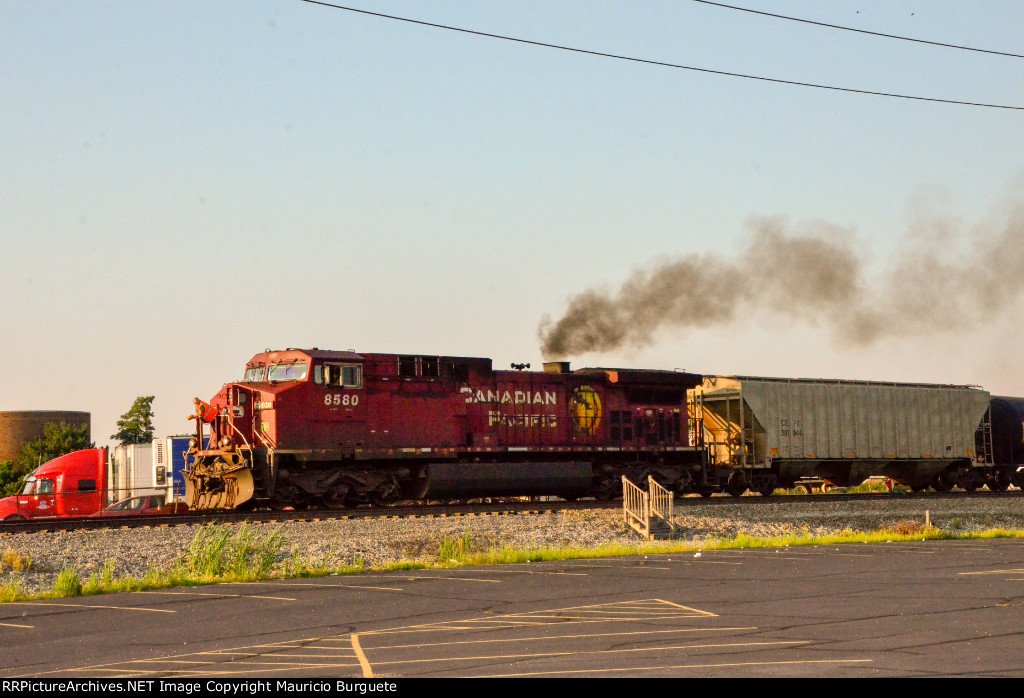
column 184, row 184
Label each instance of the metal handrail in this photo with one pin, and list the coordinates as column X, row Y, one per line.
column 661, row 501
column 636, row 507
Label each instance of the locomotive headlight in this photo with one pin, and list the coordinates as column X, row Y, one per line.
column 226, row 441
column 192, row 444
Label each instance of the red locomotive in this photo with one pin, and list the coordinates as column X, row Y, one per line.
column 336, row 428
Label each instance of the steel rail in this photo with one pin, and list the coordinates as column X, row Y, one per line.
column 428, row 511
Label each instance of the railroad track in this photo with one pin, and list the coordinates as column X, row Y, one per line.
column 496, row 508
column 268, row 516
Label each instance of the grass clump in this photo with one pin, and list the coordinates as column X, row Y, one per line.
column 215, row 555
column 100, row 581
column 14, row 561
column 67, row 583
column 12, row 590
column 297, row 565
column 455, row 550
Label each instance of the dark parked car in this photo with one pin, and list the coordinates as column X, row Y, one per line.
column 145, row 505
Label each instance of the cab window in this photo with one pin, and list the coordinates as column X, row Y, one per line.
column 340, row 375
column 287, row 372
column 254, row 374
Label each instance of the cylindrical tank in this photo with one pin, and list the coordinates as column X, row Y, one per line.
column 17, row 428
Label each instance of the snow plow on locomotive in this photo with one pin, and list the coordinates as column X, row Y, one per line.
column 333, row 428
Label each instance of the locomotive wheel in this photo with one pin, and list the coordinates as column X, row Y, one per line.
column 338, row 498
column 385, row 496
column 332, row 502
column 605, row 489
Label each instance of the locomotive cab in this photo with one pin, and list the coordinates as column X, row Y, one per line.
column 289, row 405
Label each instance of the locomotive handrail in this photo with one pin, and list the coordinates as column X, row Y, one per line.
column 231, row 423
column 266, row 442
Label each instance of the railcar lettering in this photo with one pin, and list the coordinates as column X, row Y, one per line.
column 517, row 397
column 495, row 418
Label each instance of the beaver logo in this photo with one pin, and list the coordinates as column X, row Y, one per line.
column 588, row 409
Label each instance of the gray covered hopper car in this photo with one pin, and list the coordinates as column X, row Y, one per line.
column 767, row 432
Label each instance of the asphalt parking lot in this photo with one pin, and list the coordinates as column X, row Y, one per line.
column 951, row 608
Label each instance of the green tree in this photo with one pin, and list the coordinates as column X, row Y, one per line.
column 136, row 425
column 9, row 478
column 57, row 439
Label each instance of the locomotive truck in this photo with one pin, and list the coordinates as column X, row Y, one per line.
column 337, row 428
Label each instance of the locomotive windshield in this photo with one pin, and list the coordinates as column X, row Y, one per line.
column 295, row 371
column 254, row 374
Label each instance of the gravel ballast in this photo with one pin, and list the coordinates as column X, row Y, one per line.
column 332, row 544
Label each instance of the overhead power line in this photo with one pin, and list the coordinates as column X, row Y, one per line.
column 663, row 64
column 860, row 31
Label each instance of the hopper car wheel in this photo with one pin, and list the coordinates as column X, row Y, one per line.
column 766, row 486
column 1017, row 478
column 967, row 482
column 999, row 481
column 737, row 484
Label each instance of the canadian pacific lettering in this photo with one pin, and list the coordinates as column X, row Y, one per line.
column 514, row 397
column 498, row 419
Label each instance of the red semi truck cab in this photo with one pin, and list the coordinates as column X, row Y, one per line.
column 74, row 484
